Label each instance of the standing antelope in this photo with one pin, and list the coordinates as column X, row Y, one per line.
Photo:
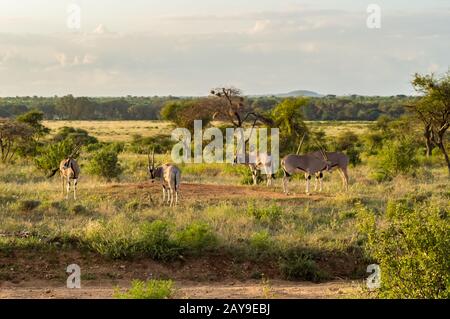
column 338, row 161
column 68, row 170
column 263, row 162
column 309, row 164
column 170, row 177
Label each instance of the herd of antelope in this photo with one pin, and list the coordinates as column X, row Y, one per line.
column 169, row 175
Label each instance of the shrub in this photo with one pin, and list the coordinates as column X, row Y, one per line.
column 52, row 154
column 268, row 215
column 196, row 237
column 77, row 135
column 412, row 247
column 155, row 241
column 161, row 144
column 396, row 157
column 300, row 266
column 105, row 163
column 28, row 205
column 261, row 242
column 151, row 289
column 79, row 209
column 115, row 239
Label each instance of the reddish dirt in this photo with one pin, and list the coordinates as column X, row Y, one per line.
column 43, row 275
column 194, row 290
column 206, row 192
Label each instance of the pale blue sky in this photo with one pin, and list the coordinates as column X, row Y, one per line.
column 182, row 47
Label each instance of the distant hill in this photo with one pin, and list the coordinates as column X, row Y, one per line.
column 295, row 93
column 300, row 93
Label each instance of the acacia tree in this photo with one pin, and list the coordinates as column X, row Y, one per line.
column 433, row 110
column 230, row 106
column 288, row 116
column 13, row 135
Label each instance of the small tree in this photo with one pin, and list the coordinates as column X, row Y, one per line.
column 288, row 116
column 105, row 163
column 78, row 135
column 34, row 119
column 229, row 105
column 13, row 135
column 433, row 110
column 396, row 157
column 183, row 112
column 412, row 246
column 53, row 153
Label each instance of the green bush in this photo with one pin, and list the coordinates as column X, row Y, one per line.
column 261, row 242
column 412, row 246
column 151, row 289
column 300, row 266
column 52, row 154
column 267, row 215
column 115, row 239
column 28, row 205
column 196, row 237
column 105, row 163
column 396, row 157
column 156, row 242
column 77, row 135
column 160, row 143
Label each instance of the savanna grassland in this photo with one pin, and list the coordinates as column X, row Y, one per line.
column 224, row 239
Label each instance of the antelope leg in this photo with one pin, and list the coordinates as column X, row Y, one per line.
column 68, row 188
column 75, row 182
column 285, row 181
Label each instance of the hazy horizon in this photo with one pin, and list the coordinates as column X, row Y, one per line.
column 180, row 48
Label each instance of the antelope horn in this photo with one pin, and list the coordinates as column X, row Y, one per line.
column 153, row 158
column 301, row 143
column 75, row 150
column 324, row 155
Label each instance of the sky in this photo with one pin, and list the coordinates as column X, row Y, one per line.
column 181, row 47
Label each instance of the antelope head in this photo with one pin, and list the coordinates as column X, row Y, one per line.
column 326, row 159
column 151, row 165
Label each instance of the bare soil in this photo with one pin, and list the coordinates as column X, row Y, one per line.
column 153, row 192
column 37, row 274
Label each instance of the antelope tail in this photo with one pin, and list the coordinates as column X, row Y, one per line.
column 53, row 172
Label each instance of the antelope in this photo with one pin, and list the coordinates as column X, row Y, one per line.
column 169, row 175
column 338, row 161
column 309, row 164
column 68, row 170
column 263, row 162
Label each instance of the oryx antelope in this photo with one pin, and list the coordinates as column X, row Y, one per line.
column 170, row 177
column 68, row 170
column 309, row 164
column 337, row 161
column 263, row 162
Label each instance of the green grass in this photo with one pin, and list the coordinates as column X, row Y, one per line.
column 296, row 235
column 151, row 289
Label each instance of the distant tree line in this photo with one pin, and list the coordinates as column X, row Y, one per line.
column 330, row 107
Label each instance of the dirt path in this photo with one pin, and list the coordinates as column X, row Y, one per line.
column 196, row 290
column 205, row 192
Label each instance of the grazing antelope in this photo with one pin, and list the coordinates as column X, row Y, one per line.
column 263, row 162
column 338, row 161
column 170, row 177
column 309, row 164
column 68, row 170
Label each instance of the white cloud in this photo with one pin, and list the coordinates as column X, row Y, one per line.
column 260, row 26
column 262, row 52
